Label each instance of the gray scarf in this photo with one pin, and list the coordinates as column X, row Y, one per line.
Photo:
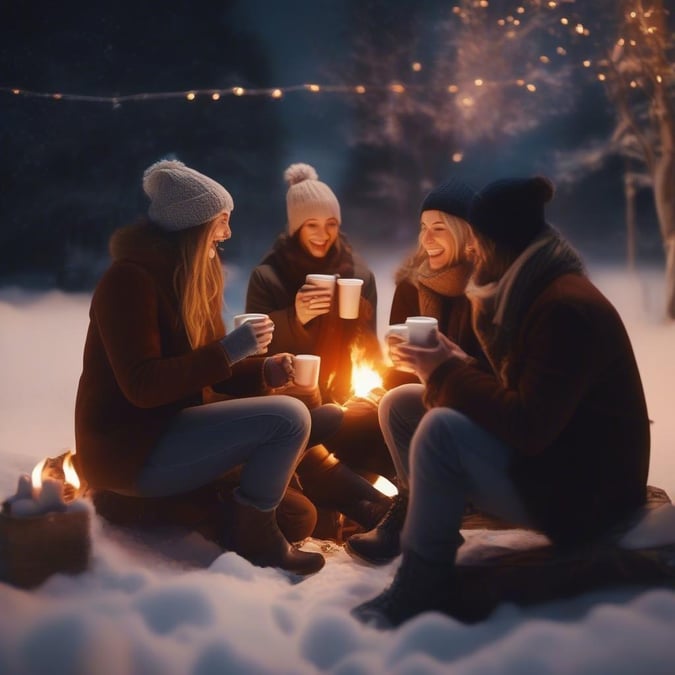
column 499, row 307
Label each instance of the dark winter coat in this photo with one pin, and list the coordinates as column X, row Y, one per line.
column 138, row 369
column 447, row 304
column 272, row 288
column 574, row 410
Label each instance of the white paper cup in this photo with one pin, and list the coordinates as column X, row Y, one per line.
column 306, row 369
column 422, row 330
column 349, row 295
column 398, row 330
column 323, row 280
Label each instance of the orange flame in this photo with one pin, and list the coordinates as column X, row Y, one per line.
column 70, row 475
column 365, row 377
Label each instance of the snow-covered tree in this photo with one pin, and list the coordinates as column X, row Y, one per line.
column 639, row 72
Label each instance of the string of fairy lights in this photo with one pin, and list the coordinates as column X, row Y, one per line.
column 509, row 23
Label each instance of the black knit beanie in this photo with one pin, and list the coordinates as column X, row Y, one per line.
column 453, row 197
column 510, row 211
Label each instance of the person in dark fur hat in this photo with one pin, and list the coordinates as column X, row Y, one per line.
column 156, row 347
column 553, row 435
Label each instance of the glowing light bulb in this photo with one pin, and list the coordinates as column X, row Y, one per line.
column 587, row 64
column 478, row 82
column 360, row 89
column 531, row 87
column 215, row 96
column 417, row 66
column 602, row 77
column 397, row 88
column 238, row 91
column 277, row 93
column 457, row 157
column 313, row 87
column 453, row 88
column 190, row 96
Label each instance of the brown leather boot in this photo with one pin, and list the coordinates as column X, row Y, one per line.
column 331, row 484
column 255, row 535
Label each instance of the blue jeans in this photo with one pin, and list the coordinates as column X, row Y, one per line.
column 446, row 460
column 267, row 435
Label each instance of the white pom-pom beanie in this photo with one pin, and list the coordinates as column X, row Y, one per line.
column 181, row 197
column 308, row 197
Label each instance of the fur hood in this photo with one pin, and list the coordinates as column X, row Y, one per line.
column 143, row 243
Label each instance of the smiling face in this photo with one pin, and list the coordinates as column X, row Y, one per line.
column 221, row 227
column 317, row 235
column 437, row 239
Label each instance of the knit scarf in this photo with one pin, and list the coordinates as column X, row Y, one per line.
column 499, row 307
column 435, row 285
column 293, row 263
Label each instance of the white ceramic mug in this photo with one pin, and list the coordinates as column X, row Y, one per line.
column 399, row 330
column 240, row 319
column 251, row 317
column 349, row 296
column 306, row 369
column 422, row 330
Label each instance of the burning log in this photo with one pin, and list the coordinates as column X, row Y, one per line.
column 44, row 529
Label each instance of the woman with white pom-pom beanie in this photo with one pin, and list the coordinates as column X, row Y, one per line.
column 306, row 321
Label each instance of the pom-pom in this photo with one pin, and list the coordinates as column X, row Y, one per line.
column 296, row 173
column 158, row 166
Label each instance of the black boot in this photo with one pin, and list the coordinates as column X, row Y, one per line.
column 255, row 535
column 419, row 586
column 383, row 543
column 330, row 484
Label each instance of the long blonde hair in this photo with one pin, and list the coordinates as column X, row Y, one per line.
column 199, row 284
column 460, row 232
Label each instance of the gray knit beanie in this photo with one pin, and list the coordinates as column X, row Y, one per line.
column 181, row 197
column 308, row 197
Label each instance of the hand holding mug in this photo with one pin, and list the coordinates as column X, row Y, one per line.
column 424, row 360
column 262, row 325
column 311, row 301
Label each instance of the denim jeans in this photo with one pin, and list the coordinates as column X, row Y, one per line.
column 267, row 435
column 446, row 460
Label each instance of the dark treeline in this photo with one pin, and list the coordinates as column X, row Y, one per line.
column 70, row 170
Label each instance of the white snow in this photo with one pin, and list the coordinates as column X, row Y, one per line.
column 139, row 609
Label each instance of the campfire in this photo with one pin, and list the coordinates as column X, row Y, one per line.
column 44, row 528
column 366, row 380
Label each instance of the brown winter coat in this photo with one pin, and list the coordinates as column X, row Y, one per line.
column 272, row 288
column 138, row 368
column 574, row 412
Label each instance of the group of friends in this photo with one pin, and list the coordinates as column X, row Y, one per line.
column 527, row 404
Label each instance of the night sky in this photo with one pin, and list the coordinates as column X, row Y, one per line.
column 70, row 171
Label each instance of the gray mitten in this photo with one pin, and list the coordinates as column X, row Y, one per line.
column 240, row 343
column 277, row 372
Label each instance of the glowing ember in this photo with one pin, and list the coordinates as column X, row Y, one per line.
column 364, row 377
column 385, row 487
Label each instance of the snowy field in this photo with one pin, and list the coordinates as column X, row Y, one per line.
column 141, row 611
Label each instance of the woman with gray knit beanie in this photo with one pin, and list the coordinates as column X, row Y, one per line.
column 156, row 350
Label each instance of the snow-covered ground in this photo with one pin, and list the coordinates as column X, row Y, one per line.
column 140, row 611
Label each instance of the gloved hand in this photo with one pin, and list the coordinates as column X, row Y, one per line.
column 240, row 343
column 278, row 370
